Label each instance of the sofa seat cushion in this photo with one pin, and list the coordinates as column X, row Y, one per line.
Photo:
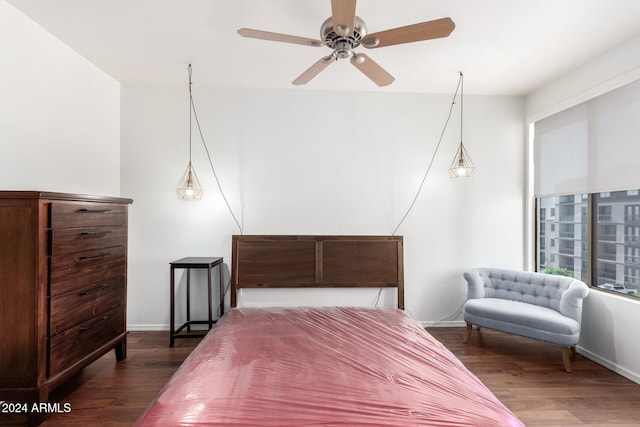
column 522, row 319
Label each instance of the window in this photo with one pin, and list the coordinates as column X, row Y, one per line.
column 632, row 212
column 604, row 213
column 602, row 249
column 632, row 234
column 581, row 156
column 561, row 236
column 607, row 232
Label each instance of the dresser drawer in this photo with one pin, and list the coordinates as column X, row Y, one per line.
column 86, row 214
column 70, row 346
column 73, row 308
column 75, row 282
column 84, row 267
column 69, row 240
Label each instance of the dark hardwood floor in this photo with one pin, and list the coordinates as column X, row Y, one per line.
column 114, row 394
column 527, row 376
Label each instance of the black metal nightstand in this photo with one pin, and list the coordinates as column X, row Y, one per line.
column 188, row 264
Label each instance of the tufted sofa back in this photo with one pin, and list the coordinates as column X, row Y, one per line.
column 560, row 293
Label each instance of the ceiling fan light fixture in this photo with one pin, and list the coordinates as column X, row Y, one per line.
column 343, row 50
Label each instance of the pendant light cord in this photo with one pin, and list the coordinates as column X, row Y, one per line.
column 433, row 157
column 190, row 110
column 206, row 149
column 461, row 103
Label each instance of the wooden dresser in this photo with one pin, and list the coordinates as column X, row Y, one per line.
column 63, row 270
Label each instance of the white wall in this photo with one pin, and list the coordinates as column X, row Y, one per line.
column 59, row 114
column 610, row 322
column 611, row 70
column 309, row 162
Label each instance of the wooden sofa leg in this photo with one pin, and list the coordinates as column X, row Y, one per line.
column 467, row 334
column 566, row 358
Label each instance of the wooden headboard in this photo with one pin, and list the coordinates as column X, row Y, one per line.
column 280, row 261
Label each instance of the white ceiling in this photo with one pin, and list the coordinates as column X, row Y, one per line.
column 503, row 47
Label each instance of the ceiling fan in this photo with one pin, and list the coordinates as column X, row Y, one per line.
column 344, row 31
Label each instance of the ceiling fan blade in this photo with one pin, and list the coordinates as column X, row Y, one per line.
column 343, row 14
column 371, row 69
column 277, row 37
column 411, row 33
column 314, row 70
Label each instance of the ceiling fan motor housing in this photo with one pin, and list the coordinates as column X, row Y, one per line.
column 342, row 45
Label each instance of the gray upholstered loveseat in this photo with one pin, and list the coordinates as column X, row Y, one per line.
column 533, row 305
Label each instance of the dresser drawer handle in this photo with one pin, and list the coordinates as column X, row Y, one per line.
column 84, row 210
column 94, row 233
column 98, row 323
column 88, row 257
column 93, row 291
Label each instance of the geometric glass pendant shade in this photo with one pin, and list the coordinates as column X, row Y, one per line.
column 461, row 166
column 189, row 187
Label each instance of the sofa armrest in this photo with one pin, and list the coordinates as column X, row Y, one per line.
column 475, row 284
column 571, row 300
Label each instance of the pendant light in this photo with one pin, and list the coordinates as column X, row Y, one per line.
column 189, row 187
column 462, row 166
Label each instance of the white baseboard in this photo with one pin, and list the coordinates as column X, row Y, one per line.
column 148, row 327
column 443, row 323
column 159, row 327
column 633, row 376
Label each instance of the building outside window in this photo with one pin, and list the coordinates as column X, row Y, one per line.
column 561, row 236
column 602, row 249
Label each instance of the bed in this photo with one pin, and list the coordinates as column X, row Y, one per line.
column 322, row 366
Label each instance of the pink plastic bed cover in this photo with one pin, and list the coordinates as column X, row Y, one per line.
column 331, row 366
